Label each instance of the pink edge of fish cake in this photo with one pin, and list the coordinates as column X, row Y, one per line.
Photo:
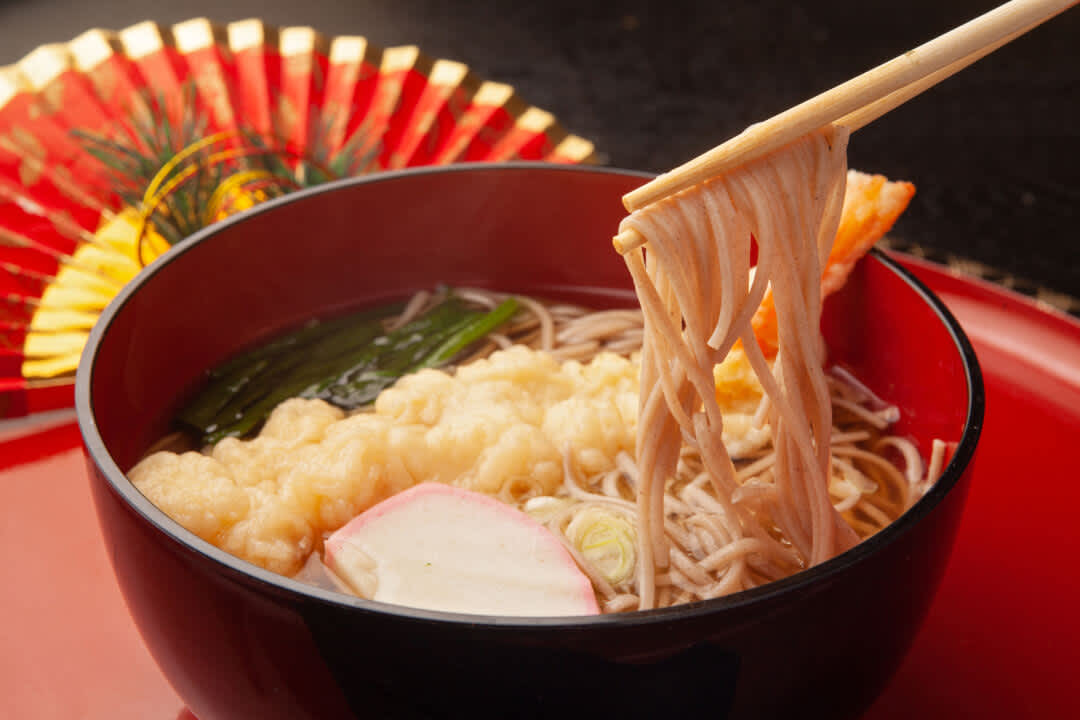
column 399, row 574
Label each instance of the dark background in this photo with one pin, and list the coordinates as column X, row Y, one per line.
column 993, row 151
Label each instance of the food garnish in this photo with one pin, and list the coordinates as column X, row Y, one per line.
column 444, row 548
column 345, row 361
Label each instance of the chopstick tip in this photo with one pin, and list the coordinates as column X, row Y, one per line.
column 627, row 240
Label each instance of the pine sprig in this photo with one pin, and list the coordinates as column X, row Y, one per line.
column 162, row 147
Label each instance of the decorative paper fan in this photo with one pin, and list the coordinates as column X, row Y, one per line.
column 115, row 145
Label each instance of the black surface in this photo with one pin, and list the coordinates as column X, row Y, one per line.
column 993, row 151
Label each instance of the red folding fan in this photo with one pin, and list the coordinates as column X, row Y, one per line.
column 116, row 145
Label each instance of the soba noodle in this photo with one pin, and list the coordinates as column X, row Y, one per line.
column 715, row 542
column 698, row 295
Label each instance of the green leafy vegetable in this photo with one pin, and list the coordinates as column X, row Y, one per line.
column 346, row 361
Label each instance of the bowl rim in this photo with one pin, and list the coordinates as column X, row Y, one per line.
column 263, row 580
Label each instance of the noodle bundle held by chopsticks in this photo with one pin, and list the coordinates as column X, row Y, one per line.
column 698, row 293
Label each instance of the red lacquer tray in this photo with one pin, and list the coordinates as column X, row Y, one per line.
column 1001, row 641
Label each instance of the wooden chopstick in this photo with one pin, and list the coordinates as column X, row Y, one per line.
column 854, row 103
column 868, row 113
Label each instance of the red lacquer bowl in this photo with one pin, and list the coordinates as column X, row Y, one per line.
column 240, row 642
